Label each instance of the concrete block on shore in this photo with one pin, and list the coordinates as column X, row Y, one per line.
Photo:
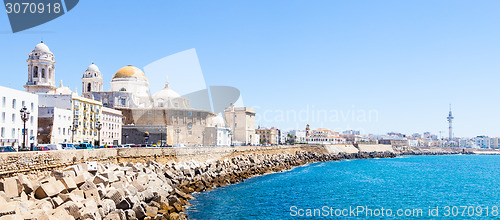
column 151, row 211
column 69, row 183
column 98, row 179
column 88, row 185
column 72, row 209
column 92, row 194
column 49, row 188
column 110, row 176
column 8, row 208
column 28, row 186
column 92, row 166
column 108, row 206
column 11, row 186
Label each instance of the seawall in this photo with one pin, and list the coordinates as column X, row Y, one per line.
column 148, row 183
column 26, row 162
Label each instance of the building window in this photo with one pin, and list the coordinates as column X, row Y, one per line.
column 32, row 107
column 190, row 125
column 31, row 120
column 150, row 112
column 59, row 129
column 14, row 103
column 35, row 71
column 3, row 117
column 123, row 101
column 3, row 101
column 3, row 132
column 43, row 73
column 23, row 104
column 64, row 131
column 31, row 132
column 13, row 133
column 190, row 114
column 13, row 118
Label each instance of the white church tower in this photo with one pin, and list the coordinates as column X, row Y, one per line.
column 91, row 81
column 41, row 70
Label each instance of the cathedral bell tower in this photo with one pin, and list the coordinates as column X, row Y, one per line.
column 91, row 81
column 41, row 70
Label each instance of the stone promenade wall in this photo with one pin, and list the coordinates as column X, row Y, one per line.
column 24, row 162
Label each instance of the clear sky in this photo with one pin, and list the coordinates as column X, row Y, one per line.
column 396, row 64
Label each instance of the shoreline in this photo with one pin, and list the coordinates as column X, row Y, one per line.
column 153, row 190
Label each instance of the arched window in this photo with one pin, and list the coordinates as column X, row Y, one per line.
column 123, row 90
column 89, row 87
column 161, row 103
column 43, row 73
column 35, row 71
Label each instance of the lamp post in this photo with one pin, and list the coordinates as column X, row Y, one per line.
column 146, row 137
column 98, row 126
column 73, row 131
column 25, row 115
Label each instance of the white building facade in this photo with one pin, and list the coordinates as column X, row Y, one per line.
column 299, row 136
column 111, row 130
column 218, row 134
column 11, row 125
column 54, row 125
column 324, row 136
column 241, row 120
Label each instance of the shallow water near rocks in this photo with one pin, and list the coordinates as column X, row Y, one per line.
column 403, row 183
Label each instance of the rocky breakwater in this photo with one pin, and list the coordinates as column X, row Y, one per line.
column 138, row 191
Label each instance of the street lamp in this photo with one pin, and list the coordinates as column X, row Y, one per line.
column 25, row 115
column 73, row 131
column 146, row 137
column 98, row 126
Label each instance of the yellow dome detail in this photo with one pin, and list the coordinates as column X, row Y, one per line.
column 130, row 72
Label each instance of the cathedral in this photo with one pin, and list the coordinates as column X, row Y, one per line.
column 165, row 117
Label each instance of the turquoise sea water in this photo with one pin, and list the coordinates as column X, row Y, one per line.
column 458, row 186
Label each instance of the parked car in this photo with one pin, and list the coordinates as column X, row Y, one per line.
column 66, row 146
column 42, row 147
column 84, row 146
column 54, row 146
column 7, row 149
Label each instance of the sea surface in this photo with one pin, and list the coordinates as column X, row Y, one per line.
column 424, row 187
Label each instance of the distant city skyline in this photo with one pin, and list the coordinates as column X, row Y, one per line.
column 371, row 67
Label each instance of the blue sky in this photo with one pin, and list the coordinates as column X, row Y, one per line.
column 396, row 64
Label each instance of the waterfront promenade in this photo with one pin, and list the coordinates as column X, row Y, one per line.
column 151, row 183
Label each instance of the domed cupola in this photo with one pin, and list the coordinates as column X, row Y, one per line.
column 131, row 80
column 92, row 72
column 218, row 121
column 168, row 98
column 91, row 80
column 41, row 70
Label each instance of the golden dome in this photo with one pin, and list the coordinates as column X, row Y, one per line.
column 130, row 72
